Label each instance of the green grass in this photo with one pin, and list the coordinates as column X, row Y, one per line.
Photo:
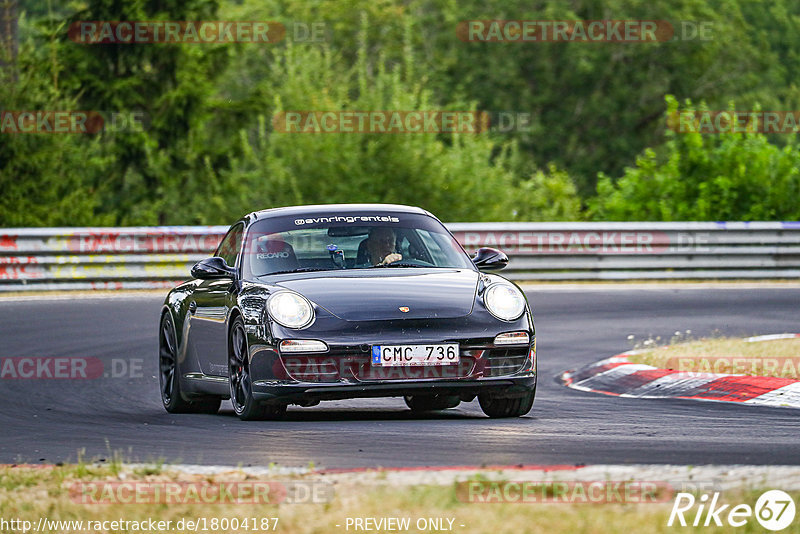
column 29, row 493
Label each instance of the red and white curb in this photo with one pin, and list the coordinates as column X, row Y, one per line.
column 619, row 377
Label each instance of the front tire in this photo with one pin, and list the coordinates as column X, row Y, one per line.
column 497, row 407
column 244, row 405
column 169, row 376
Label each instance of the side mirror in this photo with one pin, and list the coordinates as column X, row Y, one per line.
column 489, row 259
column 212, row 268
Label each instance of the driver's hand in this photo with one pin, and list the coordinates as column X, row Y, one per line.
column 391, row 258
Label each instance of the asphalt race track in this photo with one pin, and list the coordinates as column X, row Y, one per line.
column 48, row 420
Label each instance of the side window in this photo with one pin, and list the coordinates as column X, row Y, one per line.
column 231, row 245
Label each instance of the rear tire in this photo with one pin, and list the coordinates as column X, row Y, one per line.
column 169, row 376
column 431, row 403
column 244, row 405
column 497, row 407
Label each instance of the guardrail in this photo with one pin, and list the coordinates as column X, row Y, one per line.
column 625, row 251
column 157, row 257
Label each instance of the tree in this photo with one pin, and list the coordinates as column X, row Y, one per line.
column 700, row 177
column 167, row 84
column 8, row 39
column 460, row 177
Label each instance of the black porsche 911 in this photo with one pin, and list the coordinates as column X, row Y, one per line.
column 311, row 303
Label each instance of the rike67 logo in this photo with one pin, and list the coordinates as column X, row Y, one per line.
column 774, row 510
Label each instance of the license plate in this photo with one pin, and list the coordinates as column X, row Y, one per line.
column 407, row 355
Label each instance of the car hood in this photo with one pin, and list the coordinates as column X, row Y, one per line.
column 370, row 295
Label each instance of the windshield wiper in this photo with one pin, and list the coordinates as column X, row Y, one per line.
column 298, row 270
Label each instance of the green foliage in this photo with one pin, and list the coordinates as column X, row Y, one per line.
column 47, row 179
column 459, row 177
column 208, row 151
column 694, row 176
column 549, row 196
column 168, row 84
column 595, row 105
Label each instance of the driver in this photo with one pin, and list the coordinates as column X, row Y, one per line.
column 381, row 246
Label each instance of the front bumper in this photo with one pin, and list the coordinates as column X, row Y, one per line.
column 306, row 393
column 345, row 371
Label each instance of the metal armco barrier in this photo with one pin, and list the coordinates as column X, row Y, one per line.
column 638, row 250
column 102, row 258
column 158, row 257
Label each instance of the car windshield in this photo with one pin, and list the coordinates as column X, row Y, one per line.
column 350, row 241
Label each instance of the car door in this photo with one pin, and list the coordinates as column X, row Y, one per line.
column 212, row 304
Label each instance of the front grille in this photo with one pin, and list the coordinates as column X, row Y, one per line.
column 367, row 371
column 348, row 367
column 357, row 367
column 503, row 362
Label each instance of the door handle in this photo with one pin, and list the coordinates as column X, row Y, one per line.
column 192, row 306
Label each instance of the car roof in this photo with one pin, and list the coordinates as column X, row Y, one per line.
column 335, row 208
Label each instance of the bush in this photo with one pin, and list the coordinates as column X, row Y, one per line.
column 459, row 177
column 702, row 177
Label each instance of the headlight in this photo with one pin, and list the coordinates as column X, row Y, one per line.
column 290, row 309
column 504, row 301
